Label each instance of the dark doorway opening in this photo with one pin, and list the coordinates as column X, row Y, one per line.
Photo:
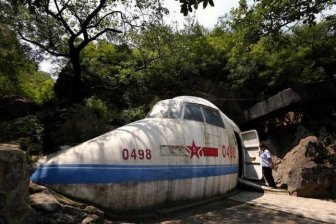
column 240, row 155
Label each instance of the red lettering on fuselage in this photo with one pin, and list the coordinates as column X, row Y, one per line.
column 229, row 151
column 136, row 154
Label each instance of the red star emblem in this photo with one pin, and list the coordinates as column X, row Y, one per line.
column 193, row 150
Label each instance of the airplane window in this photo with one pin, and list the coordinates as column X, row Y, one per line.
column 193, row 112
column 213, row 117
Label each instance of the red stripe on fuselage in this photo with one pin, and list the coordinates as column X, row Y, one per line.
column 209, row 151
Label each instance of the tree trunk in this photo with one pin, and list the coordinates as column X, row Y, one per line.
column 77, row 76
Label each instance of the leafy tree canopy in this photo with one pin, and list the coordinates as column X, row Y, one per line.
column 252, row 51
column 64, row 27
column 269, row 17
column 18, row 73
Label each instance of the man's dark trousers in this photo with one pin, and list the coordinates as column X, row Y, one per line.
column 267, row 171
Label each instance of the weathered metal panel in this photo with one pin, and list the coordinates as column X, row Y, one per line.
column 136, row 196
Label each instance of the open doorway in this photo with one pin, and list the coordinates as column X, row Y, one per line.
column 240, row 155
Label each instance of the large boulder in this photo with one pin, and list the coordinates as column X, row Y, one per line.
column 51, row 207
column 13, row 185
column 12, row 107
column 308, row 170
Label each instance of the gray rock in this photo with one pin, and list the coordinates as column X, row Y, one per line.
column 13, row 185
column 44, row 201
column 305, row 171
column 51, row 207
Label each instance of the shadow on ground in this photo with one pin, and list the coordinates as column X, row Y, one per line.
column 227, row 211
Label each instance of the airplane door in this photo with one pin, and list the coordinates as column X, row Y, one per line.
column 252, row 165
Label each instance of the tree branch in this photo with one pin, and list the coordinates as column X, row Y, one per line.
column 42, row 46
column 62, row 9
column 60, row 19
column 93, row 14
column 84, row 43
column 102, row 18
column 76, row 15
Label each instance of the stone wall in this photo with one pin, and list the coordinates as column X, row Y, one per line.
column 14, row 208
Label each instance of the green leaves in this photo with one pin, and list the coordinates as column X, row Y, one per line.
column 18, row 74
column 206, row 2
column 266, row 57
column 271, row 16
column 37, row 86
column 272, row 64
column 188, row 5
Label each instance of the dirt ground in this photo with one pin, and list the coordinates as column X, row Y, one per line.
column 226, row 211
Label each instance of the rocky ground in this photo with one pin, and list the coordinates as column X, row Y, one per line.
column 48, row 206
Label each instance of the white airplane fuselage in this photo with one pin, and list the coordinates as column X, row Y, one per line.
column 185, row 149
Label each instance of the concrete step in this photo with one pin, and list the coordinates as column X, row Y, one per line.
column 257, row 185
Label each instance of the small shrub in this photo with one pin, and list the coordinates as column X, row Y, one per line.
column 132, row 114
column 100, row 108
column 26, row 131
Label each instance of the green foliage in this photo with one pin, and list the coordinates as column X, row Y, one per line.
column 13, row 61
column 252, row 52
column 132, row 114
column 105, row 59
column 18, row 73
column 174, row 61
column 187, row 5
column 64, row 29
column 29, row 130
column 162, row 62
column 272, row 64
column 268, row 17
column 110, row 74
column 37, row 86
column 100, row 108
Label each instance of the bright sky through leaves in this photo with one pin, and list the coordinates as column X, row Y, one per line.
column 206, row 17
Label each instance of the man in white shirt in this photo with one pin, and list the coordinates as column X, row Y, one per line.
column 266, row 163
